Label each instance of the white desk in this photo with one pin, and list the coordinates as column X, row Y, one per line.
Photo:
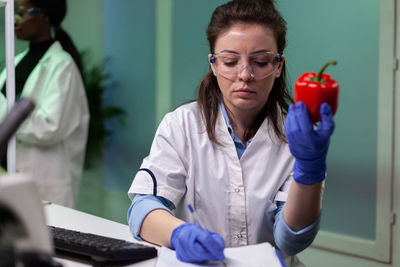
column 60, row 216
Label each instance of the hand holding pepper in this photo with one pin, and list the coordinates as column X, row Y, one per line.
column 307, row 144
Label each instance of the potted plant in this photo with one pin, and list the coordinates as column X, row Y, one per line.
column 94, row 79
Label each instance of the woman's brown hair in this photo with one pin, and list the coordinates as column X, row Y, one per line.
column 260, row 12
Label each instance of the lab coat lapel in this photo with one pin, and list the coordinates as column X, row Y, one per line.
column 38, row 72
column 17, row 59
column 223, row 136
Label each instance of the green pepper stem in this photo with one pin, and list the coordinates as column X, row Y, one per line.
column 319, row 75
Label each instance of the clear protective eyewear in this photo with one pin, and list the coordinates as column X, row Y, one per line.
column 260, row 65
column 20, row 11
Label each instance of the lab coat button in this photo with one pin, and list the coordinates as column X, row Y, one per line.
column 237, row 190
column 238, row 236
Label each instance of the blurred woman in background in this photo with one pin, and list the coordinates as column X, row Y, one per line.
column 51, row 142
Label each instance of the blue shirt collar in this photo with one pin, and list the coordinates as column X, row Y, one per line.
column 240, row 147
column 227, row 121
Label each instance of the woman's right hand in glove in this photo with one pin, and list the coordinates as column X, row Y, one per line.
column 195, row 244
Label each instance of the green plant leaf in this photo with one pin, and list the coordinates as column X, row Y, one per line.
column 94, row 78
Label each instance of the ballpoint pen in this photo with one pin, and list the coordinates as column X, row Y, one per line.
column 197, row 221
column 278, row 253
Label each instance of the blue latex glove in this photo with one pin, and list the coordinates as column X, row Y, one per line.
column 308, row 145
column 195, row 244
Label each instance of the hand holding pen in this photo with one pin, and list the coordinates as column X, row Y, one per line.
column 197, row 221
column 195, row 244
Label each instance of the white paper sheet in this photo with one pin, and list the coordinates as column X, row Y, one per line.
column 260, row 255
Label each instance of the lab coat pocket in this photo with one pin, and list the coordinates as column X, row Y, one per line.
column 272, row 206
column 266, row 222
column 270, row 210
column 197, row 201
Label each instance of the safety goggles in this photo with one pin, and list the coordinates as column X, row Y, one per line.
column 260, row 65
column 20, row 11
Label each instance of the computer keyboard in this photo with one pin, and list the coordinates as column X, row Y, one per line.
column 99, row 248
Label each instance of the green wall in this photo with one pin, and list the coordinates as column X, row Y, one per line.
column 131, row 65
column 190, row 46
column 84, row 21
column 347, row 31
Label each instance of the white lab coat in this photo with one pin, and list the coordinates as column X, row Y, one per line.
column 51, row 142
column 235, row 198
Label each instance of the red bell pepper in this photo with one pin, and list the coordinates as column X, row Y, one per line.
column 314, row 89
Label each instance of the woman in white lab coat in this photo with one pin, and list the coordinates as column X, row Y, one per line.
column 51, row 142
column 227, row 154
